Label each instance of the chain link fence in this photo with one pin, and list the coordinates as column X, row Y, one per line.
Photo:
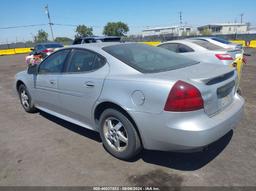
column 139, row 38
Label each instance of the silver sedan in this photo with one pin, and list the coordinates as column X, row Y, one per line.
column 136, row 96
column 203, row 51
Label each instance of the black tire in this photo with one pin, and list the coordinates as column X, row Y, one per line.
column 30, row 108
column 133, row 147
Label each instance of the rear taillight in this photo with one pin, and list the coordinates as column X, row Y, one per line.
column 184, row 97
column 223, row 56
column 47, row 50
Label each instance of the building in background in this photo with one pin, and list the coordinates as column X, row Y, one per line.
column 171, row 30
column 225, row 28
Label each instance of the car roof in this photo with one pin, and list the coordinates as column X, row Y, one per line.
column 98, row 45
column 185, row 41
column 98, row 37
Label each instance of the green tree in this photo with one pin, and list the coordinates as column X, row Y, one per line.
column 41, row 36
column 206, row 32
column 63, row 40
column 82, row 30
column 115, row 29
column 184, row 33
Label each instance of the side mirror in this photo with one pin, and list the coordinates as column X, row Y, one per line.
column 32, row 69
column 32, row 49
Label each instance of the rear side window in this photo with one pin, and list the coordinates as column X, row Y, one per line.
column 184, row 49
column 170, row 46
column 207, row 45
column 148, row 59
column 85, row 61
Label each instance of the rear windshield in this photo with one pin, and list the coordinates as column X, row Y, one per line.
column 207, row 45
column 53, row 45
column 221, row 40
column 148, row 59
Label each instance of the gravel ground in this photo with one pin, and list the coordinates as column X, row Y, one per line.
column 41, row 150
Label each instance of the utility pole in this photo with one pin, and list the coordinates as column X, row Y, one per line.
column 180, row 18
column 49, row 18
column 241, row 15
column 180, row 28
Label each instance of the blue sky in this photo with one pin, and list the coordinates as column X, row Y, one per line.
column 138, row 14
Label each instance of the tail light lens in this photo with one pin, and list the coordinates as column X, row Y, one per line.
column 184, row 97
column 223, row 56
column 47, row 50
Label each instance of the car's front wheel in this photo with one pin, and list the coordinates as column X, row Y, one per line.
column 119, row 135
column 25, row 99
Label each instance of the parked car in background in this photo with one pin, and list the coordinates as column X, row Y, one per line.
column 95, row 39
column 135, row 95
column 221, row 42
column 41, row 50
column 239, row 60
column 205, row 51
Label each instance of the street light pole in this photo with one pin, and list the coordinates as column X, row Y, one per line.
column 49, row 18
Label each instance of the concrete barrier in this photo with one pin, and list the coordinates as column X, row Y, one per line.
column 252, row 44
column 152, row 43
column 12, row 51
column 242, row 42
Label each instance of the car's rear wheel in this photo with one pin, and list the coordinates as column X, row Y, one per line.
column 25, row 99
column 119, row 135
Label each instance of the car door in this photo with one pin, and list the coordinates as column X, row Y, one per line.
column 46, row 81
column 81, row 84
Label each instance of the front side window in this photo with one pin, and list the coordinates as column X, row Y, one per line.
column 54, row 63
column 148, row 59
column 85, row 61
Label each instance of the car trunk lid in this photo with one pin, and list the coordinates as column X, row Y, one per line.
column 217, row 84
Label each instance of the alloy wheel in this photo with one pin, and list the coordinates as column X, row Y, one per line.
column 24, row 99
column 115, row 134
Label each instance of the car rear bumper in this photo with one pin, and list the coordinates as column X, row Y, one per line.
column 187, row 130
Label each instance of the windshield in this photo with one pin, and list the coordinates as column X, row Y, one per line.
column 53, row 45
column 148, row 59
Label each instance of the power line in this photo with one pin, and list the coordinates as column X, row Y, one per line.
column 22, row 26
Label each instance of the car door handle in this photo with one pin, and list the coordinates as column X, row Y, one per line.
column 89, row 84
column 52, row 82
